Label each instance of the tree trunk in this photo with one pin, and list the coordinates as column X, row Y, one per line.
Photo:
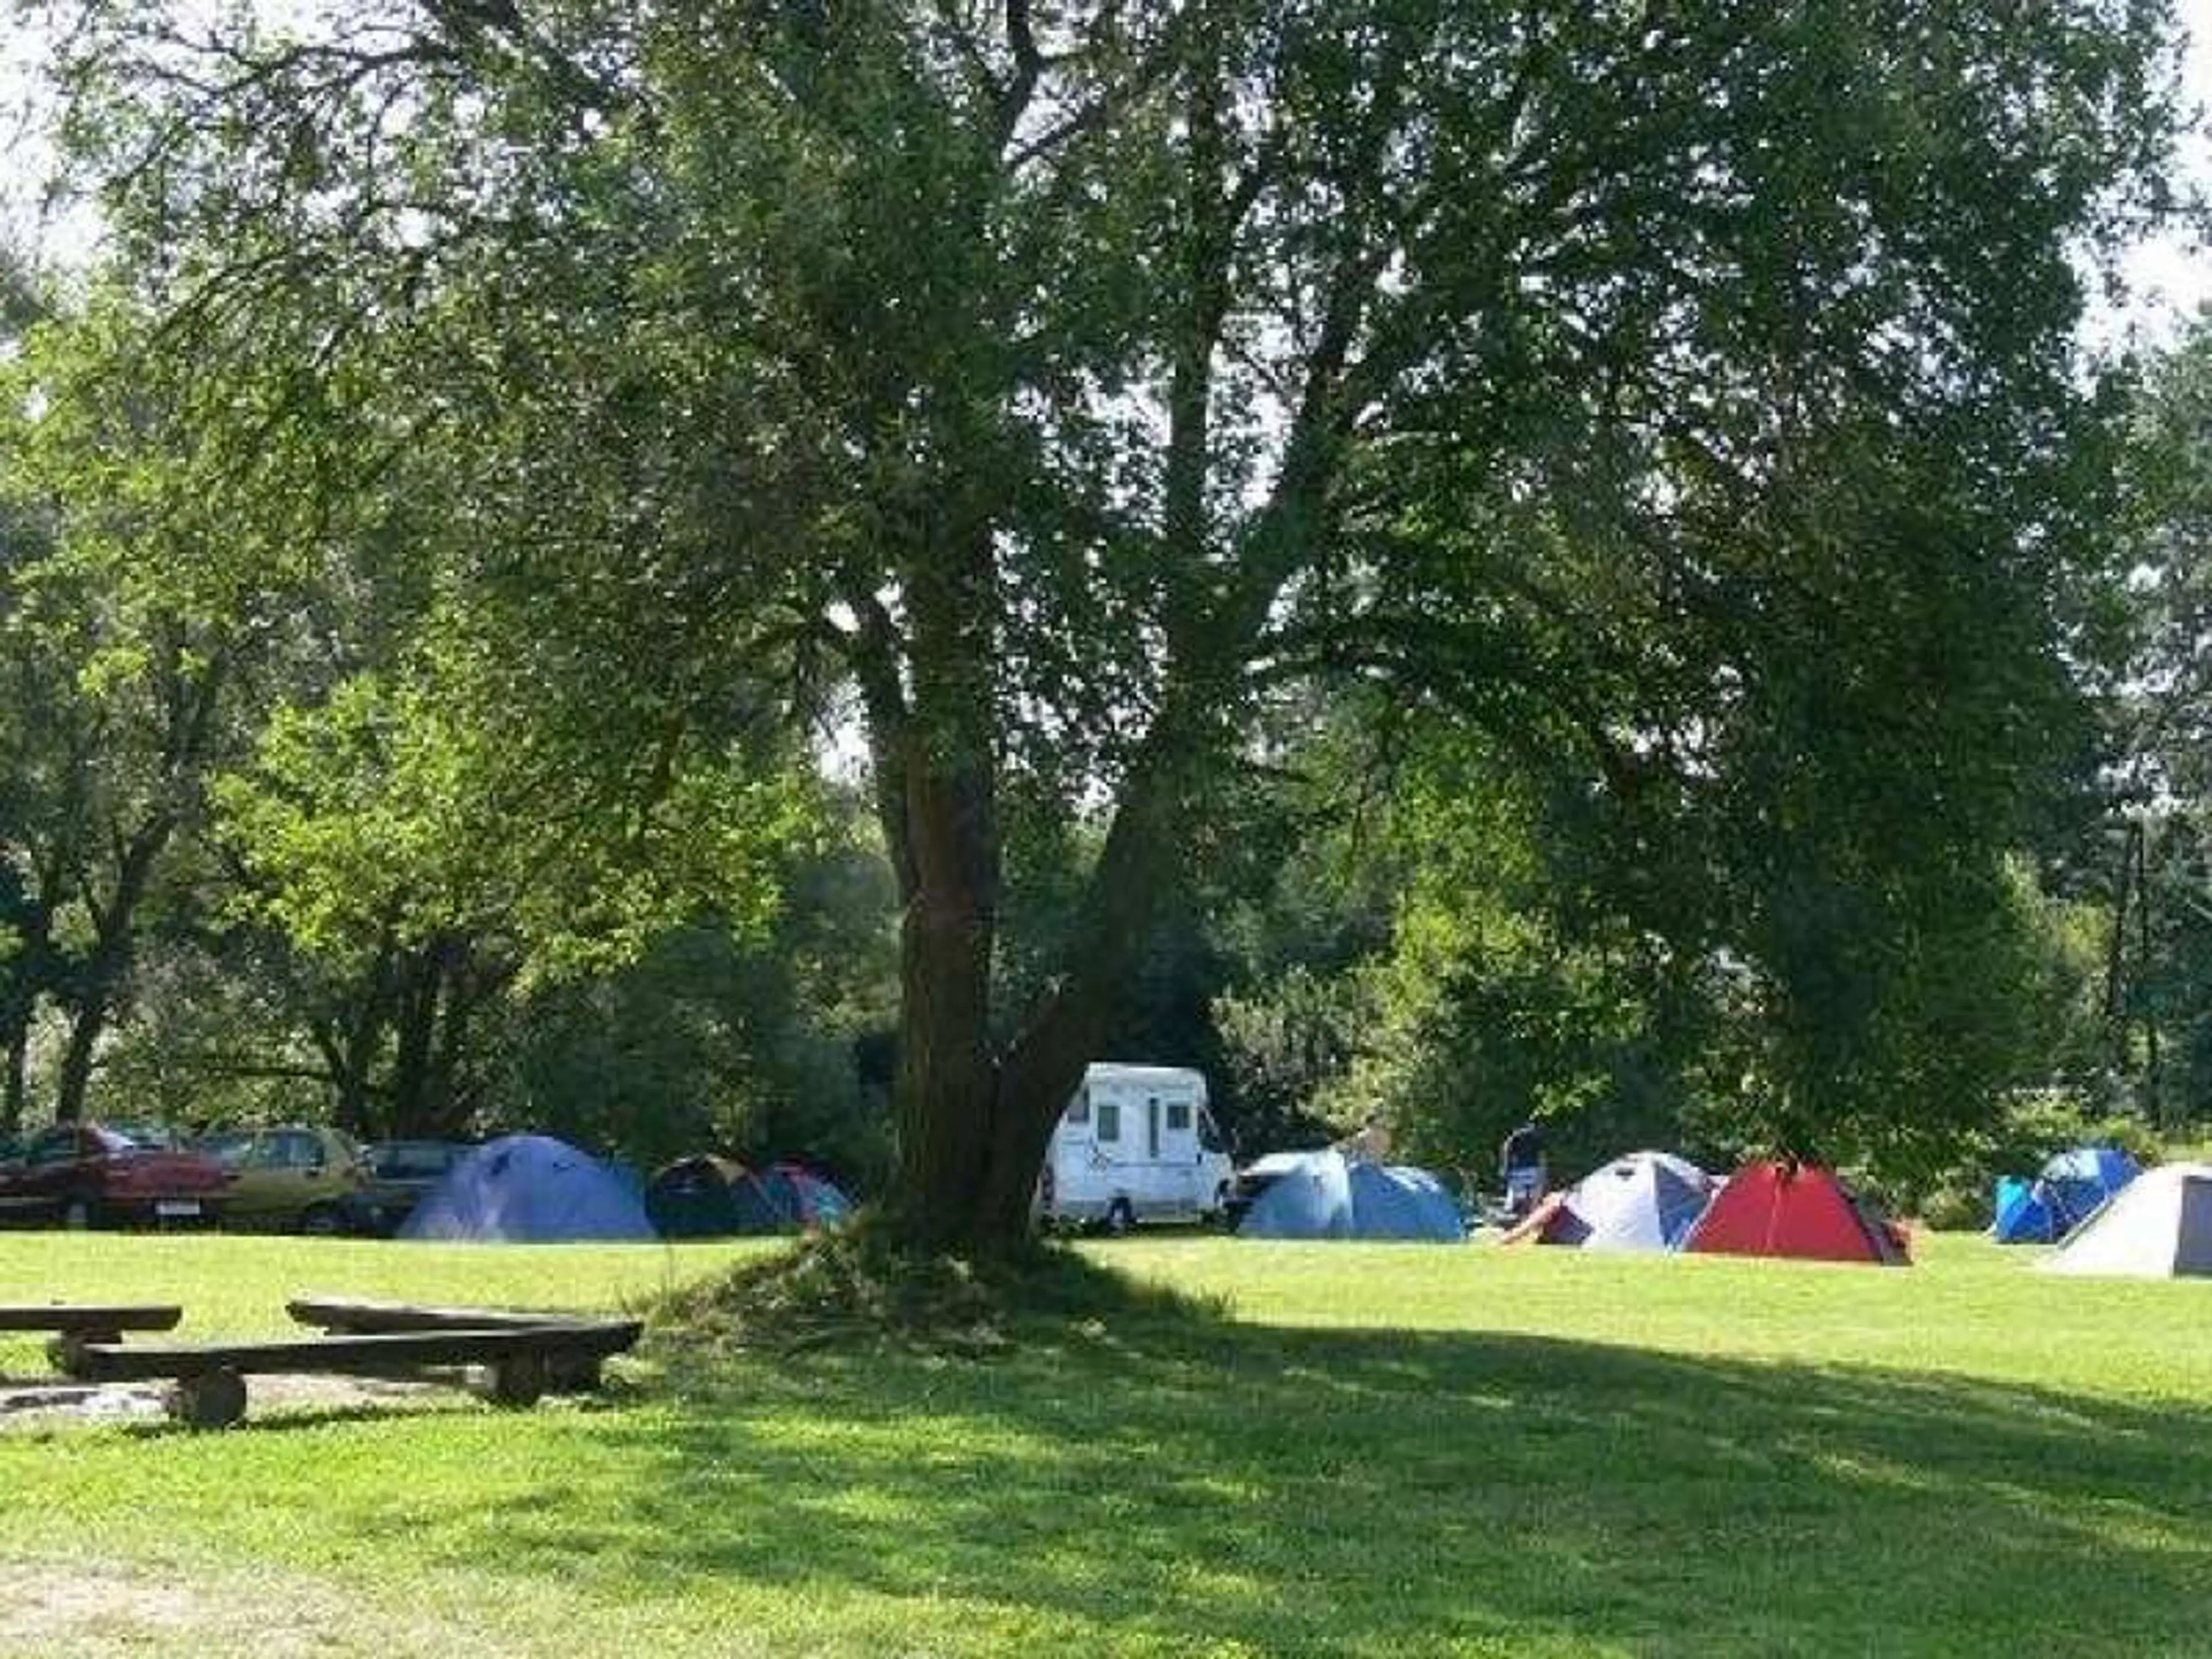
column 472, row 982
column 86, row 1026
column 346, row 1060
column 19, row 1061
column 29, row 975
column 415, row 1019
column 100, row 975
column 944, row 1095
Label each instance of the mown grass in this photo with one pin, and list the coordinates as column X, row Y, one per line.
column 1373, row 1450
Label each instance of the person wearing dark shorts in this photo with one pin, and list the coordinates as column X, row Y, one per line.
column 1521, row 1161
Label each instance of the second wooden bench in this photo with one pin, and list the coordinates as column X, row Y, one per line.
column 525, row 1361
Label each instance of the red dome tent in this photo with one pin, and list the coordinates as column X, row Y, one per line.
column 1794, row 1209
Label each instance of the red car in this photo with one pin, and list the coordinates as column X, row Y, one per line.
column 83, row 1175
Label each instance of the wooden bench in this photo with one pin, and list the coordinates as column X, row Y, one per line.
column 78, row 1324
column 210, row 1378
column 572, row 1371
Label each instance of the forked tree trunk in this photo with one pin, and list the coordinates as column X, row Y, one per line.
column 974, row 1124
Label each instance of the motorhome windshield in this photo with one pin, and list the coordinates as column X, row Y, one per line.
column 1209, row 1132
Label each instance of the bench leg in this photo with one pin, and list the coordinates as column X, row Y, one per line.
column 572, row 1373
column 211, row 1399
column 65, row 1353
column 517, row 1380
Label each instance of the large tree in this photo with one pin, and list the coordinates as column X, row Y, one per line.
column 1073, row 382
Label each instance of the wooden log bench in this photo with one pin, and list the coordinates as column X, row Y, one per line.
column 568, row 1372
column 210, row 1378
column 80, row 1322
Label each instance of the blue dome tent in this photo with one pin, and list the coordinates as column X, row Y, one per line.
column 1308, row 1195
column 2076, row 1184
column 1322, row 1195
column 2071, row 1188
column 529, row 1189
column 2021, row 1217
column 1395, row 1200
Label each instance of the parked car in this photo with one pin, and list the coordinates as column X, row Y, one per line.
column 85, row 1174
column 399, row 1175
column 293, row 1177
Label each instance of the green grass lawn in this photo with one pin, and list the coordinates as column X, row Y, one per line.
column 1373, row 1449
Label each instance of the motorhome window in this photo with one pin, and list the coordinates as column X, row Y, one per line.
column 1109, row 1121
column 1178, row 1116
column 1152, row 1126
column 1078, row 1109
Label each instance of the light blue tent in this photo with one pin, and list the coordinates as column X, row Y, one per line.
column 1395, row 1200
column 2069, row 1188
column 1307, row 1196
column 529, row 1189
column 1322, row 1195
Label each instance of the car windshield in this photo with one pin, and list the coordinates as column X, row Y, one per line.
column 150, row 1135
column 228, row 1148
column 408, row 1160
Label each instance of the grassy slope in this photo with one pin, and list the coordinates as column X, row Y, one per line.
column 1384, row 1450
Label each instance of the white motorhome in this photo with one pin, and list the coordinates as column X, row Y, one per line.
column 1135, row 1143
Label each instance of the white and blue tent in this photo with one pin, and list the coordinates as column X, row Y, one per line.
column 1643, row 1201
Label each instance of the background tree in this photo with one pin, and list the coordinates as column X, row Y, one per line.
column 2141, row 857
column 136, row 634
column 1077, row 384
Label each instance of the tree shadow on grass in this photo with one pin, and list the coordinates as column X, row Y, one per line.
column 1144, row 1488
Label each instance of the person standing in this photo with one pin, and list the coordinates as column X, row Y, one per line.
column 1521, row 1163
column 1369, row 1144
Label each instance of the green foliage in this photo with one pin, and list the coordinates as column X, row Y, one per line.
column 384, row 810
column 713, row 1043
column 1507, row 991
column 2143, row 856
column 1680, row 399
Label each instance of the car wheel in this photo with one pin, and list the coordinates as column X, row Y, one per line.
column 77, row 1214
column 323, row 1221
column 1121, row 1218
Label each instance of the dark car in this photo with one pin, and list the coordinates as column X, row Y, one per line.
column 399, row 1175
column 85, row 1175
